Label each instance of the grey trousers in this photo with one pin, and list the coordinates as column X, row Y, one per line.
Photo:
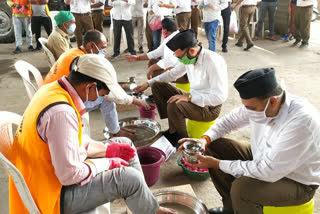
column 138, row 21
column 177, row 113
column 124, row 182
column 247, row 195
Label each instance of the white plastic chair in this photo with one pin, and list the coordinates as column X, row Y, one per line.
column 7, row 119
column 111, row 30
column 49, row 54
column 23, row 68
column 253, row 22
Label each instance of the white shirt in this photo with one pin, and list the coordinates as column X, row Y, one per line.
column 183, row 6
column 99, row 8
column 169, row 59
column 137, row 9
column 161, row 11
column 304, row 3
column 80, row 6
column 121, row 10
column 286, row 147
column 195, row 2
column 208, row 78
column 249, row 2
column 209, row 14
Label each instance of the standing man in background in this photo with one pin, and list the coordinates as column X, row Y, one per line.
column 97, row 9
column 183, row 14
column 265, row 6
column 302, row 22
column 247, row 10
column 211, row 14
column 21, row 12
column 195, row 17
column 226, row 13
column 81, row 9
column 40, row 16
column 137, row 21
column 122, row 17
column 148, row 29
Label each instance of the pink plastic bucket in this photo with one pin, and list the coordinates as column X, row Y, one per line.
column 151, row 113
column 150, row 159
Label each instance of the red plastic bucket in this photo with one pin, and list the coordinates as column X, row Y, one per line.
column 150, row 159
column 151, row 113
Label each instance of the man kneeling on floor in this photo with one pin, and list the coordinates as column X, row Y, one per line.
column 64, row 173
column 207, row 74
column 281, row 165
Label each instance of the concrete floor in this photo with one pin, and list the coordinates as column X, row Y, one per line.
column 298, row 68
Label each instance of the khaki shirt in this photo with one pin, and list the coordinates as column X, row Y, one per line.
column 58, row 42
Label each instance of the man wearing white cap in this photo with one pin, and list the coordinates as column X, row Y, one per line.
column 77, row 175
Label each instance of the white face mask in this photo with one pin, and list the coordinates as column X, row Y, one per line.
column 260, row 116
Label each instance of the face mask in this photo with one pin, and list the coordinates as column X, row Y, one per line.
column 187, row 61
column 100, row 52
column 163, row 34
column 71, row 29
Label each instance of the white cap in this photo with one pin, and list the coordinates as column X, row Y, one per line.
column 99, row 68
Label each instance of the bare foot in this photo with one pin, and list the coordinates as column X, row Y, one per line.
column 163, row 210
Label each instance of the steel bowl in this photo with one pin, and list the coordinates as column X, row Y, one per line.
column 146, row 129
column 178, row 199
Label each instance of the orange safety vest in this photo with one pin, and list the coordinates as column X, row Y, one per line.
column 62, row 66
column 27, row 7
column 31, row 155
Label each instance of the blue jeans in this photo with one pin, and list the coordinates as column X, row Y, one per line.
column 108, row 111
column 211, row 32
column 156, row 35
column 20, row 23
column 271, row 8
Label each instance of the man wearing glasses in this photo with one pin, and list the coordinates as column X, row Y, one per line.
column 207, row 73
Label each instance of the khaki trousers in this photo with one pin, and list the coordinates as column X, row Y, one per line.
column 97, row 19
column 302, row 22
column 83, row 24
column 138, row 22
column 195, row 19
column 183, row 20
column 248, row 195
column 178, row 112
column 246, row 13
column 149, row 35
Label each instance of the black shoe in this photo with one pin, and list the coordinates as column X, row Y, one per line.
column 30, row 48
column 239, row 44
column 17, row 50
column 225, row 50
column 172, row 138
column 133, row 53
column 115, row 56
column 126, row 51
column 248, row 47
column 303, row 45
column 38, row 49
column 141, row 50
column 220, row 210
column 295, row 43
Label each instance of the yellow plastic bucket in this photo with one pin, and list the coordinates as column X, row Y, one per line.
column 185, row 87
column 196, row 129
column 306, row 208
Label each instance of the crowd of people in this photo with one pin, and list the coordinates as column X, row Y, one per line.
column 84, row 15
column 279, row 167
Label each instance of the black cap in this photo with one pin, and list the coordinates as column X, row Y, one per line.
column 184, row 39
column 256, row 83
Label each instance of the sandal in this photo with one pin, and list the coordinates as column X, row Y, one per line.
column 272, row 38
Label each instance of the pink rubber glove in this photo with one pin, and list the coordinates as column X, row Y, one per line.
column 117, row 163
column 120, row 150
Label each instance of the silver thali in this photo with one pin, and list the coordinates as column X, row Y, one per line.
column 146, row 129
column 182, row 202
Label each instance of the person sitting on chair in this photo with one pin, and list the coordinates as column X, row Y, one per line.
column 207, row 73
column 94, row 42
column 58, row 41
column 77, row 175
column 280, row 167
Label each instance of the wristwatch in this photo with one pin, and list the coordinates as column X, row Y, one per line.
column 189, row 98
